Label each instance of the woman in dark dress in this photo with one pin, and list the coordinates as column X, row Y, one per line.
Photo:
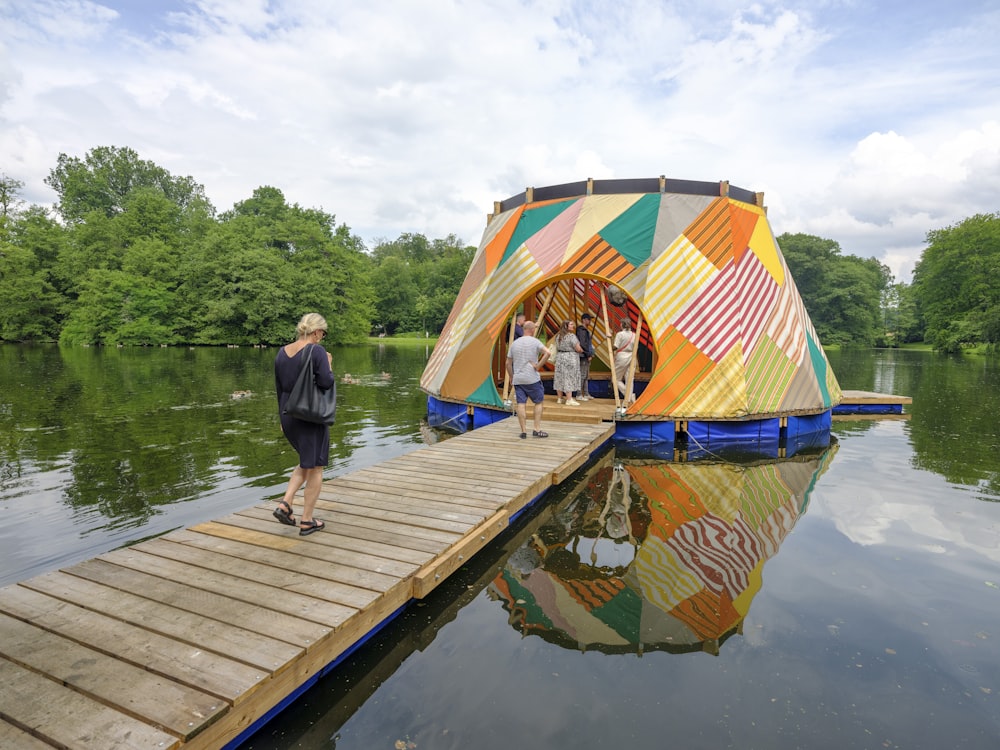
column 311, row 441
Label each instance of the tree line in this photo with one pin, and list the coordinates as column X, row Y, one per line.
column 133, row 255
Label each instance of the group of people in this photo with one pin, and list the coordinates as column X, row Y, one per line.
column 526, row 358
column 571, row 352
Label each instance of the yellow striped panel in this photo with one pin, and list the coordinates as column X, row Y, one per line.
column 723, row 392
column 769, row 373
column 665, row 579
column 719, row 487
column 676, row 276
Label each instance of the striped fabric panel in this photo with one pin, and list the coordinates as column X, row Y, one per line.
column 803, row 392
column 712, row 319
column 671, row 503
column 706, row 615
column 450, row 342
column 718, row 487
column 777, row 525
column 674, row 278
column 721, row 554
column 769, row 373
column 598, row 258
column 721, row 393
column 758, row 294
column 664, row 579
column 502, row 290
column 764, row 491
column 783, row 328
column 594, row 593
column 681, row 367
column 712, row 234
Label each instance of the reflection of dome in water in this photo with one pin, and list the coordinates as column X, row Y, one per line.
column 702, row 533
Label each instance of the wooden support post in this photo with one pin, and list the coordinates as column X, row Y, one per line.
column 635, row 358
column 540, row 322
column 611, row 348
column 529, row 195
column 510, row 340
column 724, row 188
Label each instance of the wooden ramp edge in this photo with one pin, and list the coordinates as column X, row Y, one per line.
column 190, row 639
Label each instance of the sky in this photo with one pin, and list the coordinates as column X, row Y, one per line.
column 868, row 123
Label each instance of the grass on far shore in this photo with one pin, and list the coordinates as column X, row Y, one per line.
column 404, row 340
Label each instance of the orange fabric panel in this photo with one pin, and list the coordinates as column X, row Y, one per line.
column 671, row 502
column 498, row 245
column 470, row 367
column 598, row 258
column 681, row 366
column 742, row 224
column 711, row 233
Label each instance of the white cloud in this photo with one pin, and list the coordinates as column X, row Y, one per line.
column 414, row 117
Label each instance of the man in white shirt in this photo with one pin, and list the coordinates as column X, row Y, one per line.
column 526, row 356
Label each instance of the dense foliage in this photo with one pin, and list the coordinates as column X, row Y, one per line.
column 133, row 255
column 957, row 283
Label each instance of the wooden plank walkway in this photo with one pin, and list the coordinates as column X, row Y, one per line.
column 187, row 640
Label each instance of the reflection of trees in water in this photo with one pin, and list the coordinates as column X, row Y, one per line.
column 655, row 555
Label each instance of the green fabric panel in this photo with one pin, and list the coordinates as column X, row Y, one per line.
column 631, row 234
column 819, row 368
column 486, row 394
column 532, row 221
column 524, row 599
column 623, row 613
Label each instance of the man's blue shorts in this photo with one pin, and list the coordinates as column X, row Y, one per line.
column 535, row 391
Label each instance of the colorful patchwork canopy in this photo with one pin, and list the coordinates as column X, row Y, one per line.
column 729, row 335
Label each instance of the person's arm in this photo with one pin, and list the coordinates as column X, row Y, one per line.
column 510, row 366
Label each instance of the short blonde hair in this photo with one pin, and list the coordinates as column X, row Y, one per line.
column 309, row 323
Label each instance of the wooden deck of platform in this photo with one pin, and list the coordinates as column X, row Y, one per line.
column 190, row 639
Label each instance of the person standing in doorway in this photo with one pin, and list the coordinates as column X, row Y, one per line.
column 586, row 340
column 526, row 356
column 624, row 349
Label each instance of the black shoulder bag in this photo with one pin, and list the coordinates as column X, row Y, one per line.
column 308, row 401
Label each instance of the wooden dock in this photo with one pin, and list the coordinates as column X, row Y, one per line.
column 192, row 639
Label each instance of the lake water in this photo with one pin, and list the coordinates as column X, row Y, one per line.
column 844, row 599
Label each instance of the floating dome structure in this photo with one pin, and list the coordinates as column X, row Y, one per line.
column 725, row 343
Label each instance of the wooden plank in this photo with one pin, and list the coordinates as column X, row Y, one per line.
column 433, row 574
column 251, row 616
column 16, row 738
column 310, row 584
column 261, row 651
column 429, row 520
column 145, row 696
column 409, row 497
column 179, row 662
column 29, row 701
column 420, row 485
column 325, row 553
column 291, row 603
column 330, row 570
column 392, row 532
column 346, row 537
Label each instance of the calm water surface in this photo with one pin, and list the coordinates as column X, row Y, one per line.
column 845, row 599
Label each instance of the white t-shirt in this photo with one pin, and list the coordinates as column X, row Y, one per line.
column 525, row 353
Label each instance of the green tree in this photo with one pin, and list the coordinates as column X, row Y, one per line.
column 416, row 280
column 842, row 294
column 266, row 264
column 957, row 283
column 29, row 241
column 105, row 178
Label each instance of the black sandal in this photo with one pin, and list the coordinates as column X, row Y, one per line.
column 284, row 513
column 308, row 527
